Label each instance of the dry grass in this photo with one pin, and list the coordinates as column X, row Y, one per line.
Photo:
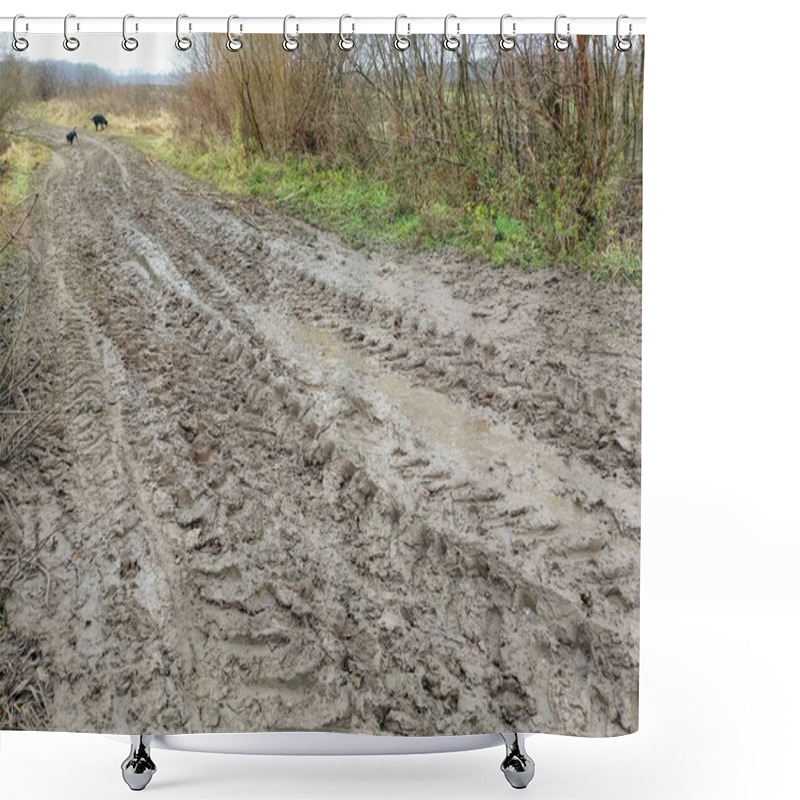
column 23, row 704
column 18, row 162
column 130, row 110
column 23, row 684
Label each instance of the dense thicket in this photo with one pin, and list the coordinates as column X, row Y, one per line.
column 554, row 139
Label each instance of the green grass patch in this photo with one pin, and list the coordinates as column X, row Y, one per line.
column 17, row 165
column 620, row 261
column 356, row 203
column 71, row 113
column 19, row 158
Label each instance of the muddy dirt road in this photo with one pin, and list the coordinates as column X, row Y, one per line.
column 295, row 486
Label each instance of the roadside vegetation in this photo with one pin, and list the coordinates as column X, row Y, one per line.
column 531, row 157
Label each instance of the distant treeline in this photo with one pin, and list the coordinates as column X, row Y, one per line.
column 24, row 82
column 48, row 79
column 51, row 78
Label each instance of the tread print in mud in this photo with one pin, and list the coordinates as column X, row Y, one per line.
column 229, row 411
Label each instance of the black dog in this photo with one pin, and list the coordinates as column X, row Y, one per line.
column 72, row 136
column 100, row 122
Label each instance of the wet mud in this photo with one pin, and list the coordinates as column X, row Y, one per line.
column 294, row 486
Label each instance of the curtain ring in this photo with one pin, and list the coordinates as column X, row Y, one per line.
column 289, row 42
column 128, row 42
column 623, row 42
column 561, row 43
column 183, row 43
column 234, row 43
column 345, row 42
column 20, row 43
column 451, row 42
column 70, row 42
column 507, row 40
column 401, row 42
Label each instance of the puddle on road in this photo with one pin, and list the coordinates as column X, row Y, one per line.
column 482, row 443
column 524, row 470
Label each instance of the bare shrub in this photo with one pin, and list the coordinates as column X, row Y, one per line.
column 551, row 138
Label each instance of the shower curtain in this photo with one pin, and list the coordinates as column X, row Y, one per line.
column 320, row 385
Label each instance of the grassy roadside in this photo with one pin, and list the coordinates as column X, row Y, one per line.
column 18, row 161
column 358, row 204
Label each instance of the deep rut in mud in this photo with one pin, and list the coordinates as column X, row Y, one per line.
column 296, row 486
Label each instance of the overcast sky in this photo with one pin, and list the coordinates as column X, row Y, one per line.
column 156, row 52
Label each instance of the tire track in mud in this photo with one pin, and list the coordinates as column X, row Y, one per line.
column 442, row 324
column 125, row 598
column 312, row 534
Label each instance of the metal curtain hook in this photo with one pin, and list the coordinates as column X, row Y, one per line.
column 450, row 41
column 128, row 42
column 234, row 43
column 182, row 42
column 289, row 42
column 623, row 42
column 560, row 42
column 401, row 42
column 345, row 42
column 507, row 40
column 71, row 43
column 20, row 43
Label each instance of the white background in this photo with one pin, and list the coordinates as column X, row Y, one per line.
column 720, row 601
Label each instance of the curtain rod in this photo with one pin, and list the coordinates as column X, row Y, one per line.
column 351, row 25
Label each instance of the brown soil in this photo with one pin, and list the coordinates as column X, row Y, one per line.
column 293, row 486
